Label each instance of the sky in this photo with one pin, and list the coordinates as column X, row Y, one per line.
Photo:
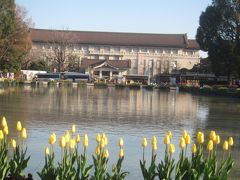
column 144, row 16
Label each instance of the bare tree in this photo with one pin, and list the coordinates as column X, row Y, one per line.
column 62, row 48
column 15, row 41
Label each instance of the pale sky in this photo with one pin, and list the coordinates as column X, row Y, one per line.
column 145, row 16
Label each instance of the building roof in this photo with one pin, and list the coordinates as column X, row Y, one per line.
column 120, row 64
column 115, row 38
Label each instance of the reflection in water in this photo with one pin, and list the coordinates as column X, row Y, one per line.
column 130, row 114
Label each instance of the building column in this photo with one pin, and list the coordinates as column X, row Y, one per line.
column 100, row 73
column 111, row 74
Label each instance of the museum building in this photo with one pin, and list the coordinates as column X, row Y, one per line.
column 116, row 54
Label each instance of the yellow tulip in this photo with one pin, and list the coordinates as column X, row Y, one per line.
column 1, row 135
column 144, row 142
column 24, row 133
column 194, row 148
column 102, row 143
column 169, row 133
column 5, row 130
column 97, row 150
column 103, row 135
column 217, row 140
column 106, row 141
column 72, row 143
column 78, row 138
column 67, row 136
column 106, row 153
column 73, row 129
column 200, row 138
column 225, row 145
column 98, row 138
column 47, row 152
column 85, row 141
column 120, row 142
column 154, row 140
column 154, row 147
column 213, row 135
column 52, row 139
column 171, row 149
column 182, row 143
column 13, row 143
column 210, row 145
column 4, row 122
column 184, row 134
column 62, row 142
column 188, row 139
column 121, row 153
column 167, row 139
column 230, row 141
column 19, row 126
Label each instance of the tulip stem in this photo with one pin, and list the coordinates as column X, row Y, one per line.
column 143, row 153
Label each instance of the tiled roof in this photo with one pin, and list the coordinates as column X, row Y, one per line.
column 115, row 38
column 192, row 44
column 121, row 64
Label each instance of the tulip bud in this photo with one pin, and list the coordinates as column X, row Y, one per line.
column 144, row 142
column 212, row 135
column 210, row 145
column 85, row 141
column 5, row 130
column 194, row 148
column 167, row 139
column 73, row 129
column 106, row 153
column 120, row 143
column 171, row 149
column 217, row 140
column 97, row 150
column 62, row 142
column 1, row 135
column 98, row 138
column 154, row 140
column 4, row 122
column 182, row 143
column 225, row 145
column 154, row 147
column 72, row 143
column 121, row 153
column 200, row 138
column 103, row 135
column 184, row 134
column 24, row 133
column 188, row 139
column 19, row 126
column 230, row 141
column 169, row 133
column 102, row 142
column 67, row 136
column 78, row 138
column 106, row 141
column 47, row 152
column 52, row 139
column 13, row 143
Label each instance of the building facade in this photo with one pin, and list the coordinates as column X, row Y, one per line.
column 148, row 54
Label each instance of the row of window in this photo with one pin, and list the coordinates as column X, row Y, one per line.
column 110, row 49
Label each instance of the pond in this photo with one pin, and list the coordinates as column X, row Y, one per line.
column 130, row 114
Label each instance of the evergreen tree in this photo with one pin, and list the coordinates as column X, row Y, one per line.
column 219, row 34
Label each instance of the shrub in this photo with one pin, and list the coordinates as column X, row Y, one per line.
column 120, row 86
column 134, row 86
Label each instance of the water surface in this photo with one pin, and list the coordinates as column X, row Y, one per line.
column 131, row 114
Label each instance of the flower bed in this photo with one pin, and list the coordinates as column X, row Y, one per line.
column 201, row 164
